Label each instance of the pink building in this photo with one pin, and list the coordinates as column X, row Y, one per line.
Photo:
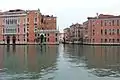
column 102, row 29
column 13, row 26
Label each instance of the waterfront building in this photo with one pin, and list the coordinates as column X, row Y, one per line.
column 48, row 30
column 66, row 35
column 22, row 26
column 13, row 26
column 61, row 37
column 74, row 34
column 102, row 29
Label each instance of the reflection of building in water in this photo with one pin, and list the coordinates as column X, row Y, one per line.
column 1, row 56
column 103, row 56
column 29, row 57
column 41, row 59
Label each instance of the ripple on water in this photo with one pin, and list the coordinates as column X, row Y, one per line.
column 104, row 73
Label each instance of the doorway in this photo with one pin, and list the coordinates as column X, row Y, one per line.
column 8, row 39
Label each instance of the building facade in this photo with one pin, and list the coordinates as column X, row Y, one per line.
column 74, row 34
column 22, row 26
column 66, row 37
column 102, row 29
column 48, row 30
column 33, row 24
column 13, row 26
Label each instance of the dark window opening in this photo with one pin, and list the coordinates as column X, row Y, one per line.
column 101, row 32
column 117, row 31
column 117, row 22
column 56, row 39
column 48, row 34
column 48, row 40
column 105, row 31
column 27, row 39
column 118, row 40
column 113, row 22
column 56, row 34
column 105, row 40
column 113, row 40
column 93, row 40
column 24, row 30
column 27, row 19
column 35, row 19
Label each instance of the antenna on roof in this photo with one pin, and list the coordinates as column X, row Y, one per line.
column 97, row 14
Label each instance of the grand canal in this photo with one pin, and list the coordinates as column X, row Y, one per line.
column 59, row 62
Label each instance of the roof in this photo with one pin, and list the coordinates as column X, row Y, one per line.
column 104, row 16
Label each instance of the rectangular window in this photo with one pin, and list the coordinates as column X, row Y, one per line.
column 3, row 38
column 109, row 31
column 24, row 30
column 105, row 40
column 105, row 23
column 45, row 39
column 93, row 40
column 35, row 19
column 93, row 32
column 35, row 35
column 3, row 30
column 48, row 40
column 117, row 31
column 113, row 40
column 56, row 40
column 117, row 40
column 101, row 32
column 113, row 32
column 117, row 22
column 113, row 22
column 105, row 31
column 27, row 39
column 27, row 19
column 48, row 34
column 109, row 23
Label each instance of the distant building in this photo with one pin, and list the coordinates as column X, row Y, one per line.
column 102, row 29
column 74, row 34
column 66, row 35
column 61, row 37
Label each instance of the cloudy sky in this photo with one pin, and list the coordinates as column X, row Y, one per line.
column 67, row 11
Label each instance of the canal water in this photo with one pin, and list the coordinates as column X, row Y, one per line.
column 59, row 62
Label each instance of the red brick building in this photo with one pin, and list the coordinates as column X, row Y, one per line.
column 33, row 24
column 102, row 29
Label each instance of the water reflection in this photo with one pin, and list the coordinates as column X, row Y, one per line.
column 59, row 62
column 99, row 60
column 28, row 59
